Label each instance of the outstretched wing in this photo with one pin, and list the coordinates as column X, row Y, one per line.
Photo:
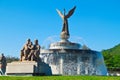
column 60, row 14
column 70, row 12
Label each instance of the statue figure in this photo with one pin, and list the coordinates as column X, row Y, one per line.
column 26, row 50
column 30, row 52
column 65, row 31
column 2, row 64
column 35, row 52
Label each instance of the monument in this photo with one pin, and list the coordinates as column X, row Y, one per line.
column 65, row 31
column 30, row 63
column 69, row 58
column 62, row 58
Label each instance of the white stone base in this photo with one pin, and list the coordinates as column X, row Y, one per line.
column 24, row 67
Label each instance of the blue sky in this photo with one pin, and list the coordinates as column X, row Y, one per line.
column 96, row 22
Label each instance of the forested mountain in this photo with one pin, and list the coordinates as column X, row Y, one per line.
column 112, row 57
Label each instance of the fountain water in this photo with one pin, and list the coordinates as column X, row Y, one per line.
column 74, row 62
column 68, row 58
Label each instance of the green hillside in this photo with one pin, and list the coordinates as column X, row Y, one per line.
column 112, row 57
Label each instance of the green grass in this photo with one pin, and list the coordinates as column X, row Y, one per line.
column 59, row 78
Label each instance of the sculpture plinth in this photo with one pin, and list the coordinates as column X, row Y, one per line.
column 30, row 68
column 22, row 68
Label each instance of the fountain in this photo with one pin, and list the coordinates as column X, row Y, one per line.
column 69, row 58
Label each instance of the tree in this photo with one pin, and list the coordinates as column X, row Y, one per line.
column 112, row 57
column 11, row 59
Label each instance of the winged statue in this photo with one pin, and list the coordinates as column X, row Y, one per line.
column 64, row 18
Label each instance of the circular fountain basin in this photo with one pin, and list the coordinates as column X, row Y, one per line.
column 65, row 58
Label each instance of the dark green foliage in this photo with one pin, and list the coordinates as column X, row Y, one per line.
column 10, row 59
column 112, row 57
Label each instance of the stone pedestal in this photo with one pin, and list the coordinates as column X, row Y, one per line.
column 22, row 68
column 28, row 68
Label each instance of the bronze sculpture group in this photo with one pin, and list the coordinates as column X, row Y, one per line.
column 30, row 52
